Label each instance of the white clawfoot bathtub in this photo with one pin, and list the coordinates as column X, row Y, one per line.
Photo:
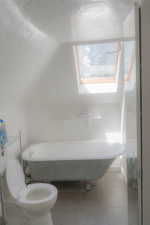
column 66, row 161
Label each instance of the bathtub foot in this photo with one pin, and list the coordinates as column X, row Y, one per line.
column 28, row 180
column 88, row 186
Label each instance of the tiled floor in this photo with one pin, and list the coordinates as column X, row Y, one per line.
column 105, row 204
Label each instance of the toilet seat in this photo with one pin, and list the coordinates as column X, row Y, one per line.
column 38, row 193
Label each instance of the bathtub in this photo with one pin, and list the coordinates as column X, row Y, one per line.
column 70, row 161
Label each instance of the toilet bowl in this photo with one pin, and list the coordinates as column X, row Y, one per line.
column 36, row 200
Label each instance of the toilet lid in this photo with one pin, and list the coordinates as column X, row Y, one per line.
column 15, row 177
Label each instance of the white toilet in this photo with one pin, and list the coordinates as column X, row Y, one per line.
column 36, row 200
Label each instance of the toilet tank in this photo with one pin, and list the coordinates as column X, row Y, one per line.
column 15, row 177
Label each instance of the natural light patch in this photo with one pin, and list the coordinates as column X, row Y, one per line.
column 97, row 67
column 114, row 137
column 94, row 10
column 97, row 88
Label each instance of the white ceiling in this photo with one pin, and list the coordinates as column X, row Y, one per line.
column 59, row 17
column 121, row 6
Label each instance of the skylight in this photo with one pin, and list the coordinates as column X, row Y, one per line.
column 97, row 66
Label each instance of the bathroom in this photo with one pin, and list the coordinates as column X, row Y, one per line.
column 72, row 83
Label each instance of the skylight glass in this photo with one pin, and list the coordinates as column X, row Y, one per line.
column 97, row 60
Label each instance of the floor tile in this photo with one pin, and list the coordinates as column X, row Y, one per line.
column 105, row 204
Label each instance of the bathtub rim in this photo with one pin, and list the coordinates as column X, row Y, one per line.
column 26, row 157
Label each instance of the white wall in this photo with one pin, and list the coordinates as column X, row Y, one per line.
column 130, row 86
column 24, row 52
column 38, row 89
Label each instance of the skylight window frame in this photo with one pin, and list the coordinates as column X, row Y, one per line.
column 129, row 74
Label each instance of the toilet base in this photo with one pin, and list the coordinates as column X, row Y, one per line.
column 45, row 219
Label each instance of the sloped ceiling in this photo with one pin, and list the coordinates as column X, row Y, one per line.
column 47, row 15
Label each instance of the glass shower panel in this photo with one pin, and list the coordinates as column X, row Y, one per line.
column 132, row 112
